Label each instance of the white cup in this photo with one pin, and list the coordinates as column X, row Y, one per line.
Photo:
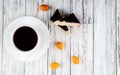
column 42, row 43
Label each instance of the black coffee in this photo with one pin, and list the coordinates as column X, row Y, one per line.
column 25, row 38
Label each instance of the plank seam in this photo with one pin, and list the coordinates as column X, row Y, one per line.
column 71, row 9
column 93, row 36
column 116, row 33
column 2, row 34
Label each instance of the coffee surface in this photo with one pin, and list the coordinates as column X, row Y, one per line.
column 25, row 38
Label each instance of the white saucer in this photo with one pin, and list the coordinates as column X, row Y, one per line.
column 42, row 33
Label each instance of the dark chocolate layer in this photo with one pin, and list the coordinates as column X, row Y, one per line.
column 56, row 16
column 65, row 28
column 70, row 18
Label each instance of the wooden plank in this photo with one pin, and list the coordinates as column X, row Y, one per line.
column 38, row 67
column 1, row 32
column 82, row 38
column 104, row 37
column 12, row 10
column 118, row 34
column 57, row 34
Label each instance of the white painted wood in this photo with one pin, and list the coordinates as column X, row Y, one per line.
column 12, row 10
column 57, row 34
column 104, row 37
column 65, row 38
column 118, row 35
column 63, row 57
column 1, row 32
column 82, row 38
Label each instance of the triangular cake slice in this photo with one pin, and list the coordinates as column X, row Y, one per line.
column 69, row 20
column 56, row 16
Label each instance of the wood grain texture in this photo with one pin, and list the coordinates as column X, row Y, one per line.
column 12, row 10
column 57, row 34
column 104, row 37
column 118, row 35
column 1, row 32
column 82, row 38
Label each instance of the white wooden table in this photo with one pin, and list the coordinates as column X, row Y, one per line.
column 96, row 41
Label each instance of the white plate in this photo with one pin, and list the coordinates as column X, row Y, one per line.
column 42, row 33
